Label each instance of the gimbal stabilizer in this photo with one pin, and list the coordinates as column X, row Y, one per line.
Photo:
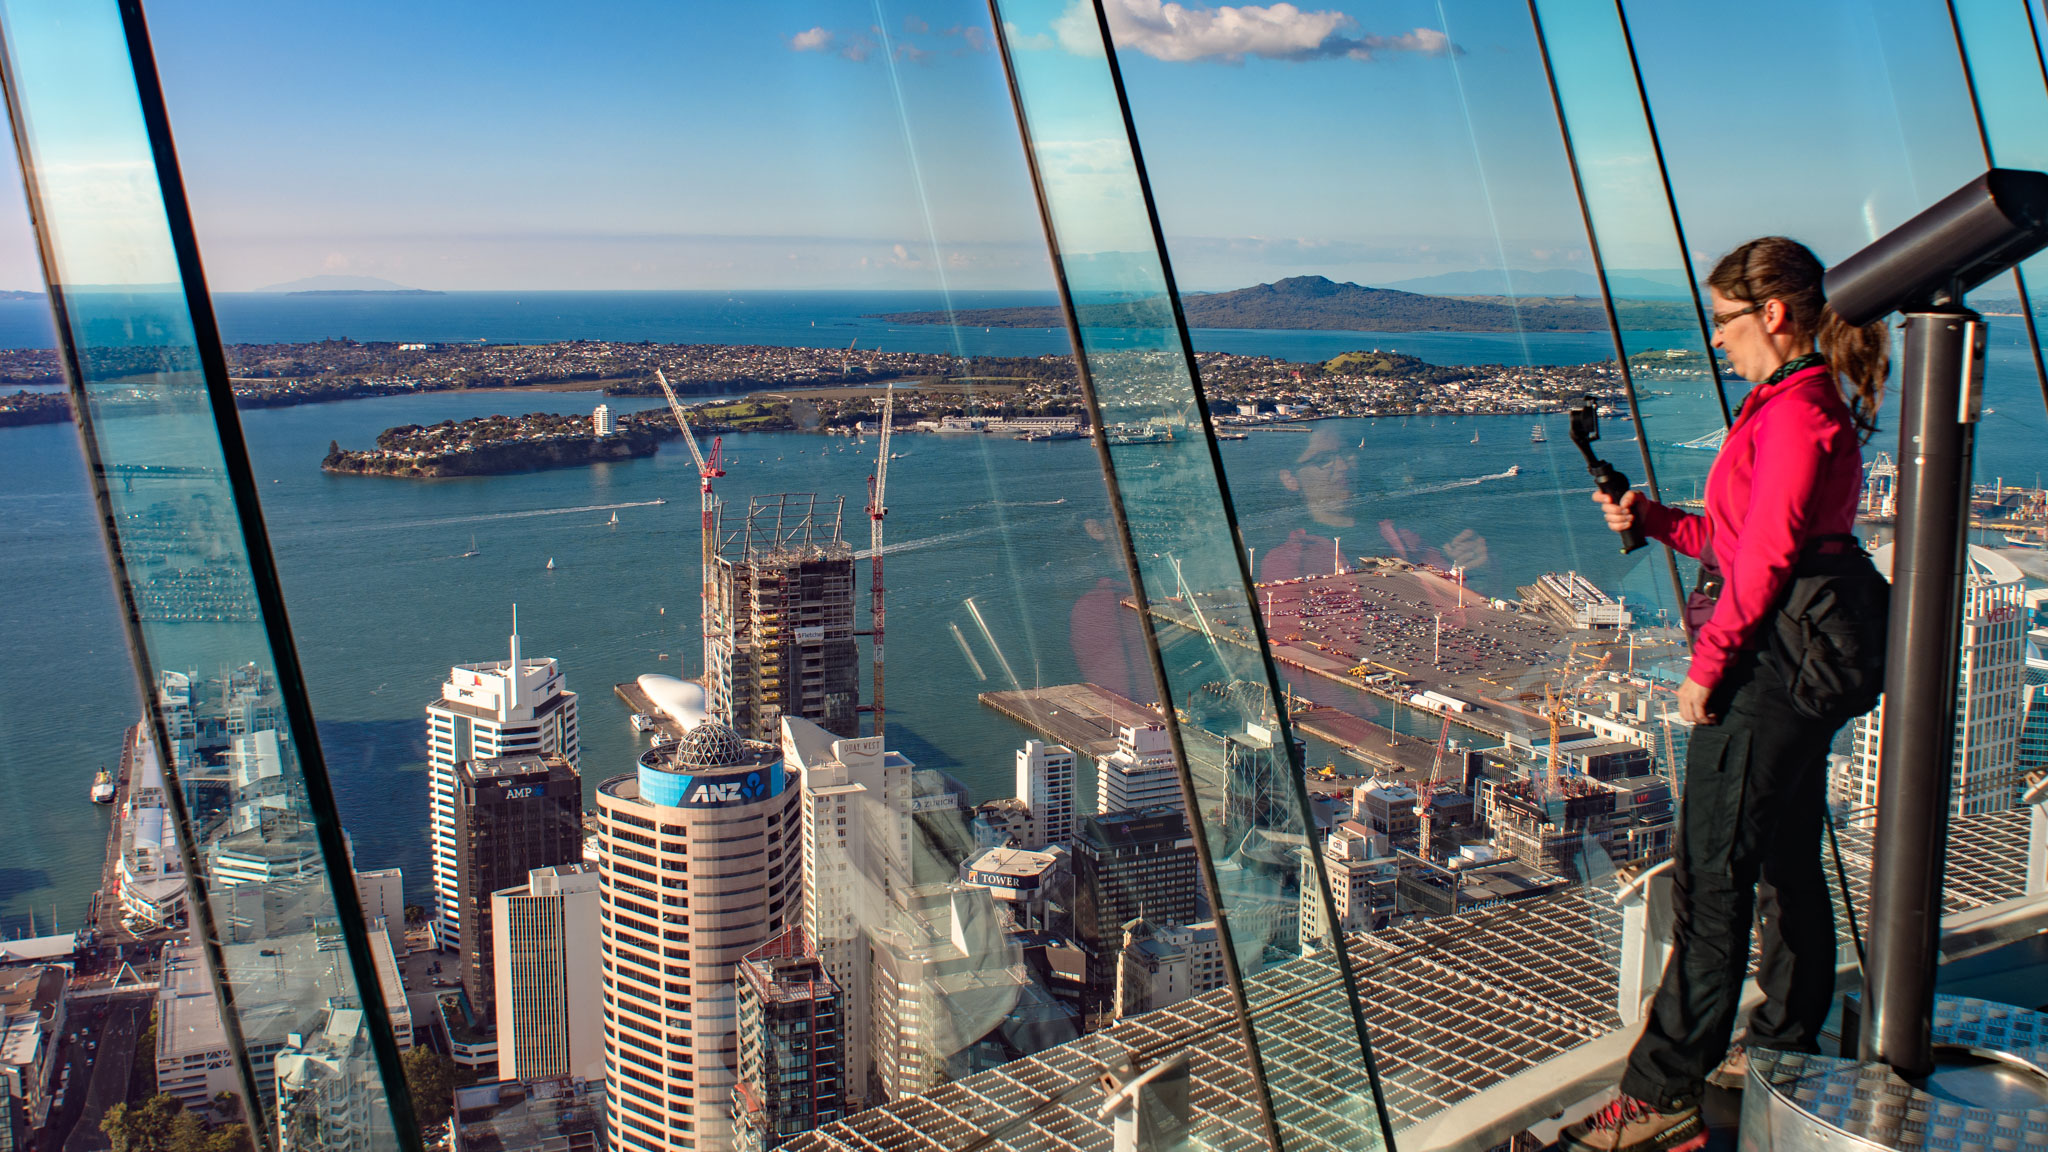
column 1585, row 430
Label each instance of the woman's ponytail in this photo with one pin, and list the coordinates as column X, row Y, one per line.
column 1861, row 358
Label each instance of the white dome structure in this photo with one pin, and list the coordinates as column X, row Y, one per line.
column 679, row 700
column 1985, row 569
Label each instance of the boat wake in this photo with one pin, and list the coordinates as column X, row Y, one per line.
column 891, row 549
column 1452, row 485
column 487, row 517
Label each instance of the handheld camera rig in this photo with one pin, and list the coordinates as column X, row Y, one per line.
column 1585, row 430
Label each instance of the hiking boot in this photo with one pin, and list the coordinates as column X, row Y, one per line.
column 1733, row 1073
column 1629, row 1125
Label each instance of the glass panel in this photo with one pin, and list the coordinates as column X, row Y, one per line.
column 225, row 826
column 1242, row 772
column 1669, row 368
column 1435, row 584
column 835, row 200
column 1888, row 78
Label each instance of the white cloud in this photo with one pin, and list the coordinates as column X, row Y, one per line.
column 811, row 40
column 1181, row 32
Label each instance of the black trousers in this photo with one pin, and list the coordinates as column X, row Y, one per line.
column 1748, row 842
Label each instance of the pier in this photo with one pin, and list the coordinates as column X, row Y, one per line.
column 1083, row 717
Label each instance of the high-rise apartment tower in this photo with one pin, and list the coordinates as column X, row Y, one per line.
column 1990, row 682
column 1140, row 773
column 1045, row 782
column 792, row 1040
column 501, row 708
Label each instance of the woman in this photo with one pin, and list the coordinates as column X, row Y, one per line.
column 1756, row 771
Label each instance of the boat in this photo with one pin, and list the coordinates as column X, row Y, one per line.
column 551, row 563
column 1475, row 436
column 642, row 722
column 661, row 499
column 473, row 551
column 1514, row 470
column 1233, row 435
column 614, row 521
column 1139, row 434
column 2022, row 540
column 1047, row 435
column 103, row 787
column 1536, row 435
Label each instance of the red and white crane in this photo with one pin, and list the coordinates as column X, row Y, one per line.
column 878, row 486
column 1425, row 805
column 707, row 471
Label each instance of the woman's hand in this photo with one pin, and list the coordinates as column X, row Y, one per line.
column 1692, row 700
column 1620, row 516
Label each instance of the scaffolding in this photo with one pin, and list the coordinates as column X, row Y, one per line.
column 783, row 608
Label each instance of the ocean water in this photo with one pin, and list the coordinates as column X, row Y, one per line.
column 792, row 319
column 382, row 602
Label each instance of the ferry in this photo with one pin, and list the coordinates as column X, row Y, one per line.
column 642, row 722
column 103, row 787
column 1536, row 435
column 1048, row 435
column 1140, row 434
column 1233, row 435
column 2023, row 540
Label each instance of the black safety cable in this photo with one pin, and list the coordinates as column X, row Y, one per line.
column 1848, row 904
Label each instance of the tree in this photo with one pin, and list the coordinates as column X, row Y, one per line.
column 430, row 1077
column 144, row 1127
column 229, row 1138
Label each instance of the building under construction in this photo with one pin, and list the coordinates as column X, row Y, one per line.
column 781, row 619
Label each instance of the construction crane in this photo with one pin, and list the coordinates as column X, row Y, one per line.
column 878, row 487
column 707, row 471
column 1553, row 706
column 1425, row 806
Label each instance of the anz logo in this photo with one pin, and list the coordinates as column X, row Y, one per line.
column 753, row 787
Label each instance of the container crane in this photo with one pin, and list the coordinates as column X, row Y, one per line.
column 878, row 485
column 1425, row 805
column 707, row 471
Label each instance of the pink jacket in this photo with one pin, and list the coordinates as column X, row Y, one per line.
column 1791, row 469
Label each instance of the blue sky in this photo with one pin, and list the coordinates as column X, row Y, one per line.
column 834, row 143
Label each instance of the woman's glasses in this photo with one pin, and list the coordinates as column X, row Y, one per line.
column 1723, row 319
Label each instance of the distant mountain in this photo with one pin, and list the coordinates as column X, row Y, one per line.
column 1316, row 302
column 331, row 285
column 1547, row 282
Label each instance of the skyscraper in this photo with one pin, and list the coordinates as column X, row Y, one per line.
column 781, row 620
column 1140, row 773
column 698, row 854
column 1045, row 782
column 500, row 708
column 1989, row 685
column 1127, row 865
column 791, row 1044
column 544, row 951
column 1362, row 869
column 856, row 863
column 512, row 815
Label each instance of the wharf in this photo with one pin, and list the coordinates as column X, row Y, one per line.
column 1083, row 717
column 637, row 701
column 1375, row 745
column 105, row 914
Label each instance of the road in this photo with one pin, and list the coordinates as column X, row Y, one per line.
column 99, row 1076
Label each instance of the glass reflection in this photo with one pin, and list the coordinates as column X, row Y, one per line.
column 224, row 879
column 1243, row 781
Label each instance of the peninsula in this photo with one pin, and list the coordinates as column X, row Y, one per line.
column 493, row 445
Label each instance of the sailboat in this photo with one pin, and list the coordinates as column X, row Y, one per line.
column 551, row 563
column 1536, row 435
column 1475, row 436
column 472, row 547
column 614, row 521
